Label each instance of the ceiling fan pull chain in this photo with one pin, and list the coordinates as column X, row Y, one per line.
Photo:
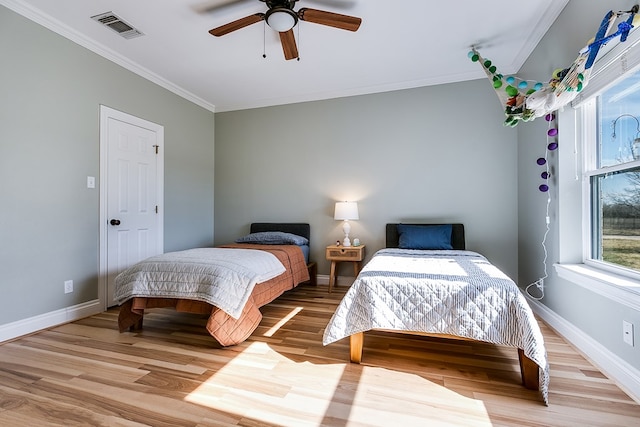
column 299, row 44
column 264, row 36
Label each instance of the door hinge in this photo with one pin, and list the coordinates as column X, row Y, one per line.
column 156, row 208
column 156, row 147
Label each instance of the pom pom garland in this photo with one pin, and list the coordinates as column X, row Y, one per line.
column 552, row 145
column 523, row 102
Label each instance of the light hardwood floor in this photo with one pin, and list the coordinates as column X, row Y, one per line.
column 173, row 374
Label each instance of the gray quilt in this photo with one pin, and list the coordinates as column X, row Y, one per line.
column 223, row 277
column 446, row 291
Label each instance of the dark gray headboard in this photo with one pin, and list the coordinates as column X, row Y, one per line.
column 457, row 235
column 297, row 228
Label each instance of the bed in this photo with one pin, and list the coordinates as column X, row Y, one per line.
column 229, row 283
column 425, row 282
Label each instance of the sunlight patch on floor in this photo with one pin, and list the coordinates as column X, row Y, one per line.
column 286, row 392
column 259, row 381
column 399, row 398
column 282, row 322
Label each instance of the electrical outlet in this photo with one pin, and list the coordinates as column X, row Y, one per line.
column 68, row 286
column 627, row 332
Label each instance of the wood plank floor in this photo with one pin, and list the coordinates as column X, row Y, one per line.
column 174, row 374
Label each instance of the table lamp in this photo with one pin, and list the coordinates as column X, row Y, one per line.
column 344, row 212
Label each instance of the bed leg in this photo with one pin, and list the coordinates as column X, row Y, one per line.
column 313, row 273
column 355, row 344
column 136, row 326
column 529, row 371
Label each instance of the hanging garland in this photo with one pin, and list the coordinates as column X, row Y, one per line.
column 524, row 100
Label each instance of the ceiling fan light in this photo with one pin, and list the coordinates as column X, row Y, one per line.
column 281, row 19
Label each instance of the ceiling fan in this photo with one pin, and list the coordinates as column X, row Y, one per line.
column 281, row 17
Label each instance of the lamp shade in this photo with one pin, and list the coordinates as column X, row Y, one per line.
column 346, row 211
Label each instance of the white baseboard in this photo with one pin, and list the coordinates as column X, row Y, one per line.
column 322, row 279
column 30, row 325
column 48, row 320
column 622, row 373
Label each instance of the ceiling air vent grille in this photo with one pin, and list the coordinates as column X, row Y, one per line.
column 111, row 20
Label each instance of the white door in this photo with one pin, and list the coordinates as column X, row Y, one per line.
column 131, row 184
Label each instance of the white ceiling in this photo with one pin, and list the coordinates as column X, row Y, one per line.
column 400, row 45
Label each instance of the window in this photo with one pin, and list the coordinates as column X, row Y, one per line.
column 599, row 179
column 611, row 125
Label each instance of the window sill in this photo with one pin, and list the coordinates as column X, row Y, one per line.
column 618, row 288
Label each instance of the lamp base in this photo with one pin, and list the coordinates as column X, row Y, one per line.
column 346, row 228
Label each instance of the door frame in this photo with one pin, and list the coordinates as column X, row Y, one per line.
column 107, row 113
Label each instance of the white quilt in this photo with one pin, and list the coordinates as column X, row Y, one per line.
column 223, row 277
column 446, row 291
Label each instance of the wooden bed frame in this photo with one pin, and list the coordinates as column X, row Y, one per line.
column 220, row 325
column 529, row 370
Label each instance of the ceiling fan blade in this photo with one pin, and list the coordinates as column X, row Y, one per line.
column 237, row 24
column 289, row 46
column 337, row 20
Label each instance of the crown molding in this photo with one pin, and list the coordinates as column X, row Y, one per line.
column 539, row 30
column 67, row 32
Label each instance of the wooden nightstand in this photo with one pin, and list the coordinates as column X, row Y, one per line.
column 336, row 254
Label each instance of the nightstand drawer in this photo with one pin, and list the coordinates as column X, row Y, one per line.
column 340, row 253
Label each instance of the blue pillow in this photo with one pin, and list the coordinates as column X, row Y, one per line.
column 273, row 238
column 424, row 236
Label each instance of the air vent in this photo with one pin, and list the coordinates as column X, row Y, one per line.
column 111, row 20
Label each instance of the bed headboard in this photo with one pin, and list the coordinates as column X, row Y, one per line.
column 297, row 228
column 457, row 235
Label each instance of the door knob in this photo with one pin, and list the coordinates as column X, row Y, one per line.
column 115, row 222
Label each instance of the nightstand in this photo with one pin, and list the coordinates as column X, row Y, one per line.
column 337, row 254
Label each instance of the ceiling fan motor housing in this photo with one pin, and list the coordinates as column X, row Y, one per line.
column 281, row 19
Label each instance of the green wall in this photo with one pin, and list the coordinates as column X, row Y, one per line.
column 436, row 153
column 50, row 100
column 598, row 317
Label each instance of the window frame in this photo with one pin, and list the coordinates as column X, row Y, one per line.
column 574, row 198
